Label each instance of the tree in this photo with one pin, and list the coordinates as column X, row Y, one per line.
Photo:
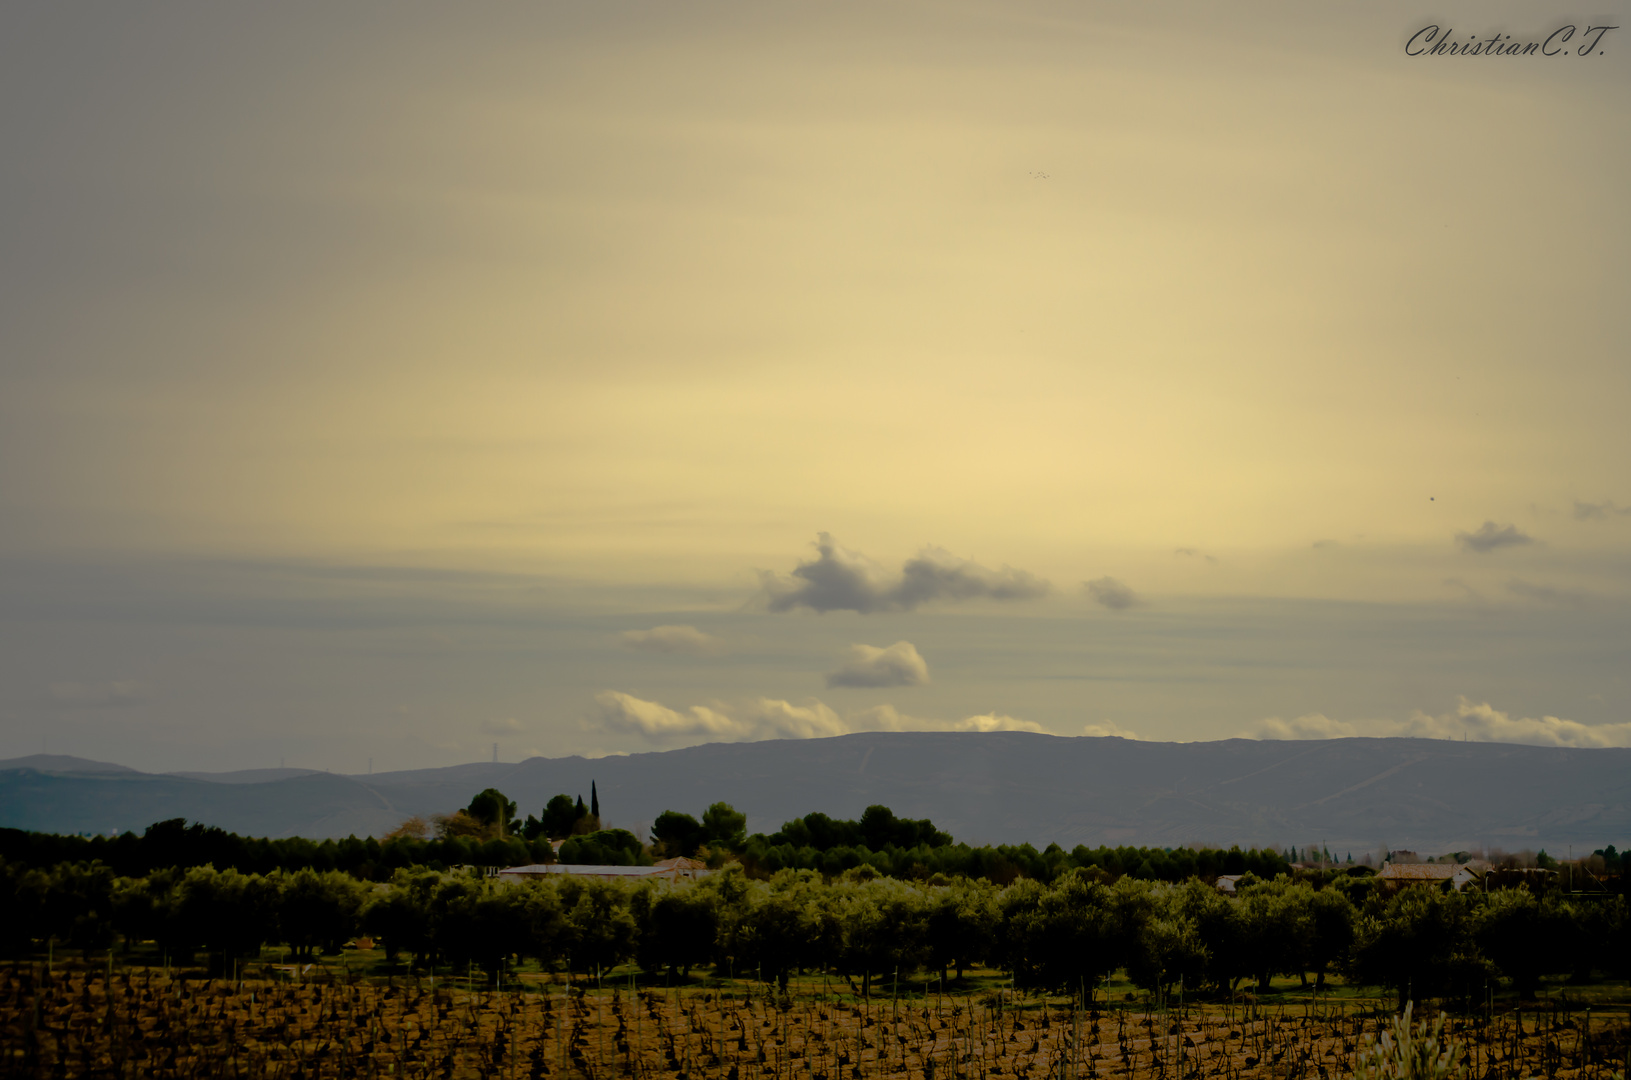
column 788, row 924
column 559, row 815
column 493, row 810
column 594, row 800
column 228, row 913
column 315, row 910
column 724, row 827
column 459, row 824
column 608, row 847
column 600, row 931
column 1419, row 944
column 882, row 927
column 1521, row 935
column 962, row 924
column 1069, row 933
column 679, row 927
column 677, row 833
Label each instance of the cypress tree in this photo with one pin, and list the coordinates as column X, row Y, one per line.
column 594, row 800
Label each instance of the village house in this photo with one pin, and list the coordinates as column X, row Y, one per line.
column 1398, row 875
column 671, row 870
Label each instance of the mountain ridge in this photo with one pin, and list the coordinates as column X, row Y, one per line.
column 994, row 787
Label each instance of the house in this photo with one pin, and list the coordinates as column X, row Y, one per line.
column 1226, row 883
column 670, row 870
column 1399, row 875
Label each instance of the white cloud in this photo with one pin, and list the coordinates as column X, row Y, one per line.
column 1483, row 723
column 1108, row 730
column 770, row 718
column 868, row 665
column 1312, row 726
column 839, row 579
column 1476, row 722
column 995, row 722
column 509, row 725
column 674, row 640
column 1110, row 593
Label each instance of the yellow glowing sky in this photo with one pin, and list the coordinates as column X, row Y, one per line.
column 644, row 295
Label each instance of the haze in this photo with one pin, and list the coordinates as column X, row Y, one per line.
column 385, row 383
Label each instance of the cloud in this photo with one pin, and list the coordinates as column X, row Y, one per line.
column 1312, row 726
column 1110, row 593
column 109, row 695
column 769, row 718
column 867, row 665
column 995, row 722
column 1483, row 723
column 839, row 579
column 1547, row 594
column 1491, row 536
column 1585, row 511
column 509, row 725
column 1192, row 553
column 674, row 640
column 1476, row 722
column 1108, row 730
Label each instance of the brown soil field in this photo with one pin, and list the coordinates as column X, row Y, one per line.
column 141, row 1023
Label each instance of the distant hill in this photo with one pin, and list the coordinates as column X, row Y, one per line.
column 1004, row 787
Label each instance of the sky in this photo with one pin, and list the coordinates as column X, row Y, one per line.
column 396, row 385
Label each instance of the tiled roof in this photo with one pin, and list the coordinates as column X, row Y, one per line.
column 1419, row 871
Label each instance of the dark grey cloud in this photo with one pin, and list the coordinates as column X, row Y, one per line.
column 869, row 666
column 1110, row 593
column 1585, row 511
column 1490, row 536
column 839, row 579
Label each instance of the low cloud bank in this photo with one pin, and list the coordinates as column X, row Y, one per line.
column 841, row 579
column 770, row 718
column 869, row 666
column 1108, row 729
column 673, row 640
column 1477, row 722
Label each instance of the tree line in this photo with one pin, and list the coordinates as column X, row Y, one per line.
column 487, row 833
column 1067, row 934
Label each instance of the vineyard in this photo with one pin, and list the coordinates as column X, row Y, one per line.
column 147, row 1023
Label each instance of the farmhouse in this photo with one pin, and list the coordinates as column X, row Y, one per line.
column 680, row 869
column 1401, row 874
column 1226, row 883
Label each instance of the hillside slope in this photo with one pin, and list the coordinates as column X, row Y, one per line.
column 1353, row 794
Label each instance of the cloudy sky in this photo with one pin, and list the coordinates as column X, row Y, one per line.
column 396, row 380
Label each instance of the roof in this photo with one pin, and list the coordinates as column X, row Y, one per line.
column 1424, row 872
column 622, row 873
